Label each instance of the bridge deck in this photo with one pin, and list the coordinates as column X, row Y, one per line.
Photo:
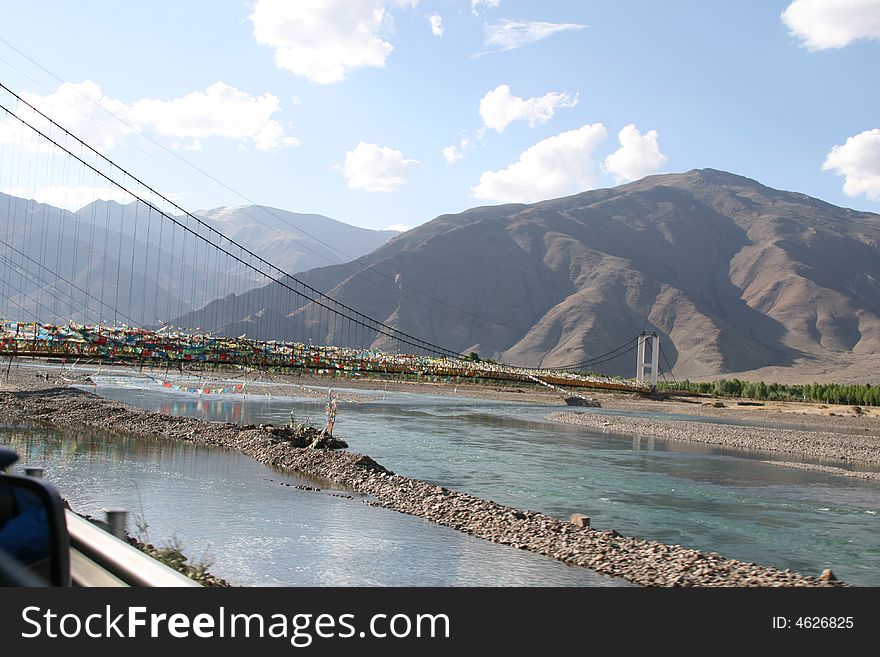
column 147, row 348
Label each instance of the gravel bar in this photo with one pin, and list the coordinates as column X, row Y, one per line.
column 845, row 447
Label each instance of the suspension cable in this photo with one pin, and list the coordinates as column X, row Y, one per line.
column 362, row 319
column 596, row 360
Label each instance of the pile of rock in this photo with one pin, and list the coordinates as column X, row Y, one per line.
column 305, row 436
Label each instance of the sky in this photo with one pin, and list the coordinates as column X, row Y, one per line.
column 388, row 113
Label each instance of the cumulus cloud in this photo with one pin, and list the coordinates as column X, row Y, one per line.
column 555, row 166
column 858, row 160
column 822, row 24
column 271, row 137
column 499, row 108
column 324, row 40
column 219, row 111
column 489, row 4
column 436, row 25
column 638, row 155
column 509, row 34
column 81, row 107
column 374, row 168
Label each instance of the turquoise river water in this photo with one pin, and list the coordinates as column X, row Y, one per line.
column 259, row 532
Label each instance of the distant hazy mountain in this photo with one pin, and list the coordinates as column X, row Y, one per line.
column 55, row 267
column 292, row 241
column 114, row 262
column 734, row 276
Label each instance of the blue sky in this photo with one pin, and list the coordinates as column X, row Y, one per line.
column 372, row 112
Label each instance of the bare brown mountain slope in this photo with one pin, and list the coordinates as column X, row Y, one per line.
column 735, row 277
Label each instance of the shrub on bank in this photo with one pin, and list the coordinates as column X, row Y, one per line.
column 864, row 394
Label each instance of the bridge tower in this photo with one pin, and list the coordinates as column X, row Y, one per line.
column 645, row 369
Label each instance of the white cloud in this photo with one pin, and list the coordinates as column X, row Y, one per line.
column 374, row 168
column 194, row 145
column 14, row 132
column 219, row 111
column 858, row 160
column 553, row 167
column 498, row 108
column 81, row 107
column 271, row 138
column 509, row 34
column 402, row 228
column 436, row 25
column 324, row 40
column 638, row 155
column 454, row 153
column 71, row 197
column 489, row 4
column 822, row 24
column 101, row 121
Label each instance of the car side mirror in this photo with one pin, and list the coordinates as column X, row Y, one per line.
column 34, row 543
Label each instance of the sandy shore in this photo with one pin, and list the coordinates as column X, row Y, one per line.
column 28, row 399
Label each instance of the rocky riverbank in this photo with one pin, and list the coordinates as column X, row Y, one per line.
column 640, row 561
column 846, row 448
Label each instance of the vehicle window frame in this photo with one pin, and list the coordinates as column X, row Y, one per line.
column 59, row 539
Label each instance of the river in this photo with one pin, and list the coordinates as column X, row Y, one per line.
column 261, row 532
column 259, row 529
column 689, row 494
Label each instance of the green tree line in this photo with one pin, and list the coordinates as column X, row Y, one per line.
column 862, row 394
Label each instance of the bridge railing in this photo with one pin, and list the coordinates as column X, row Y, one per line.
column 152, row 349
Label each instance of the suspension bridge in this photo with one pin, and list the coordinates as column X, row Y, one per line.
column 119, row 282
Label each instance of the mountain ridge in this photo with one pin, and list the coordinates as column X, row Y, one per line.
column 102, row 263
column 734, row 275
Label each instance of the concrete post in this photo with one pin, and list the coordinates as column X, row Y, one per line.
column 117, row 520
column 640, row 359
column 652, row 366
column 580, row 520
column 655, row 359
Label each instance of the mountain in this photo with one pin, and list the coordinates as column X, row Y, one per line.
column 292, row 241
column 56, row 267
column 734, row 276
column 113, row 262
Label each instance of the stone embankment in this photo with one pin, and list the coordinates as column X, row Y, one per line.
column 845, row 448
column 607, row 552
